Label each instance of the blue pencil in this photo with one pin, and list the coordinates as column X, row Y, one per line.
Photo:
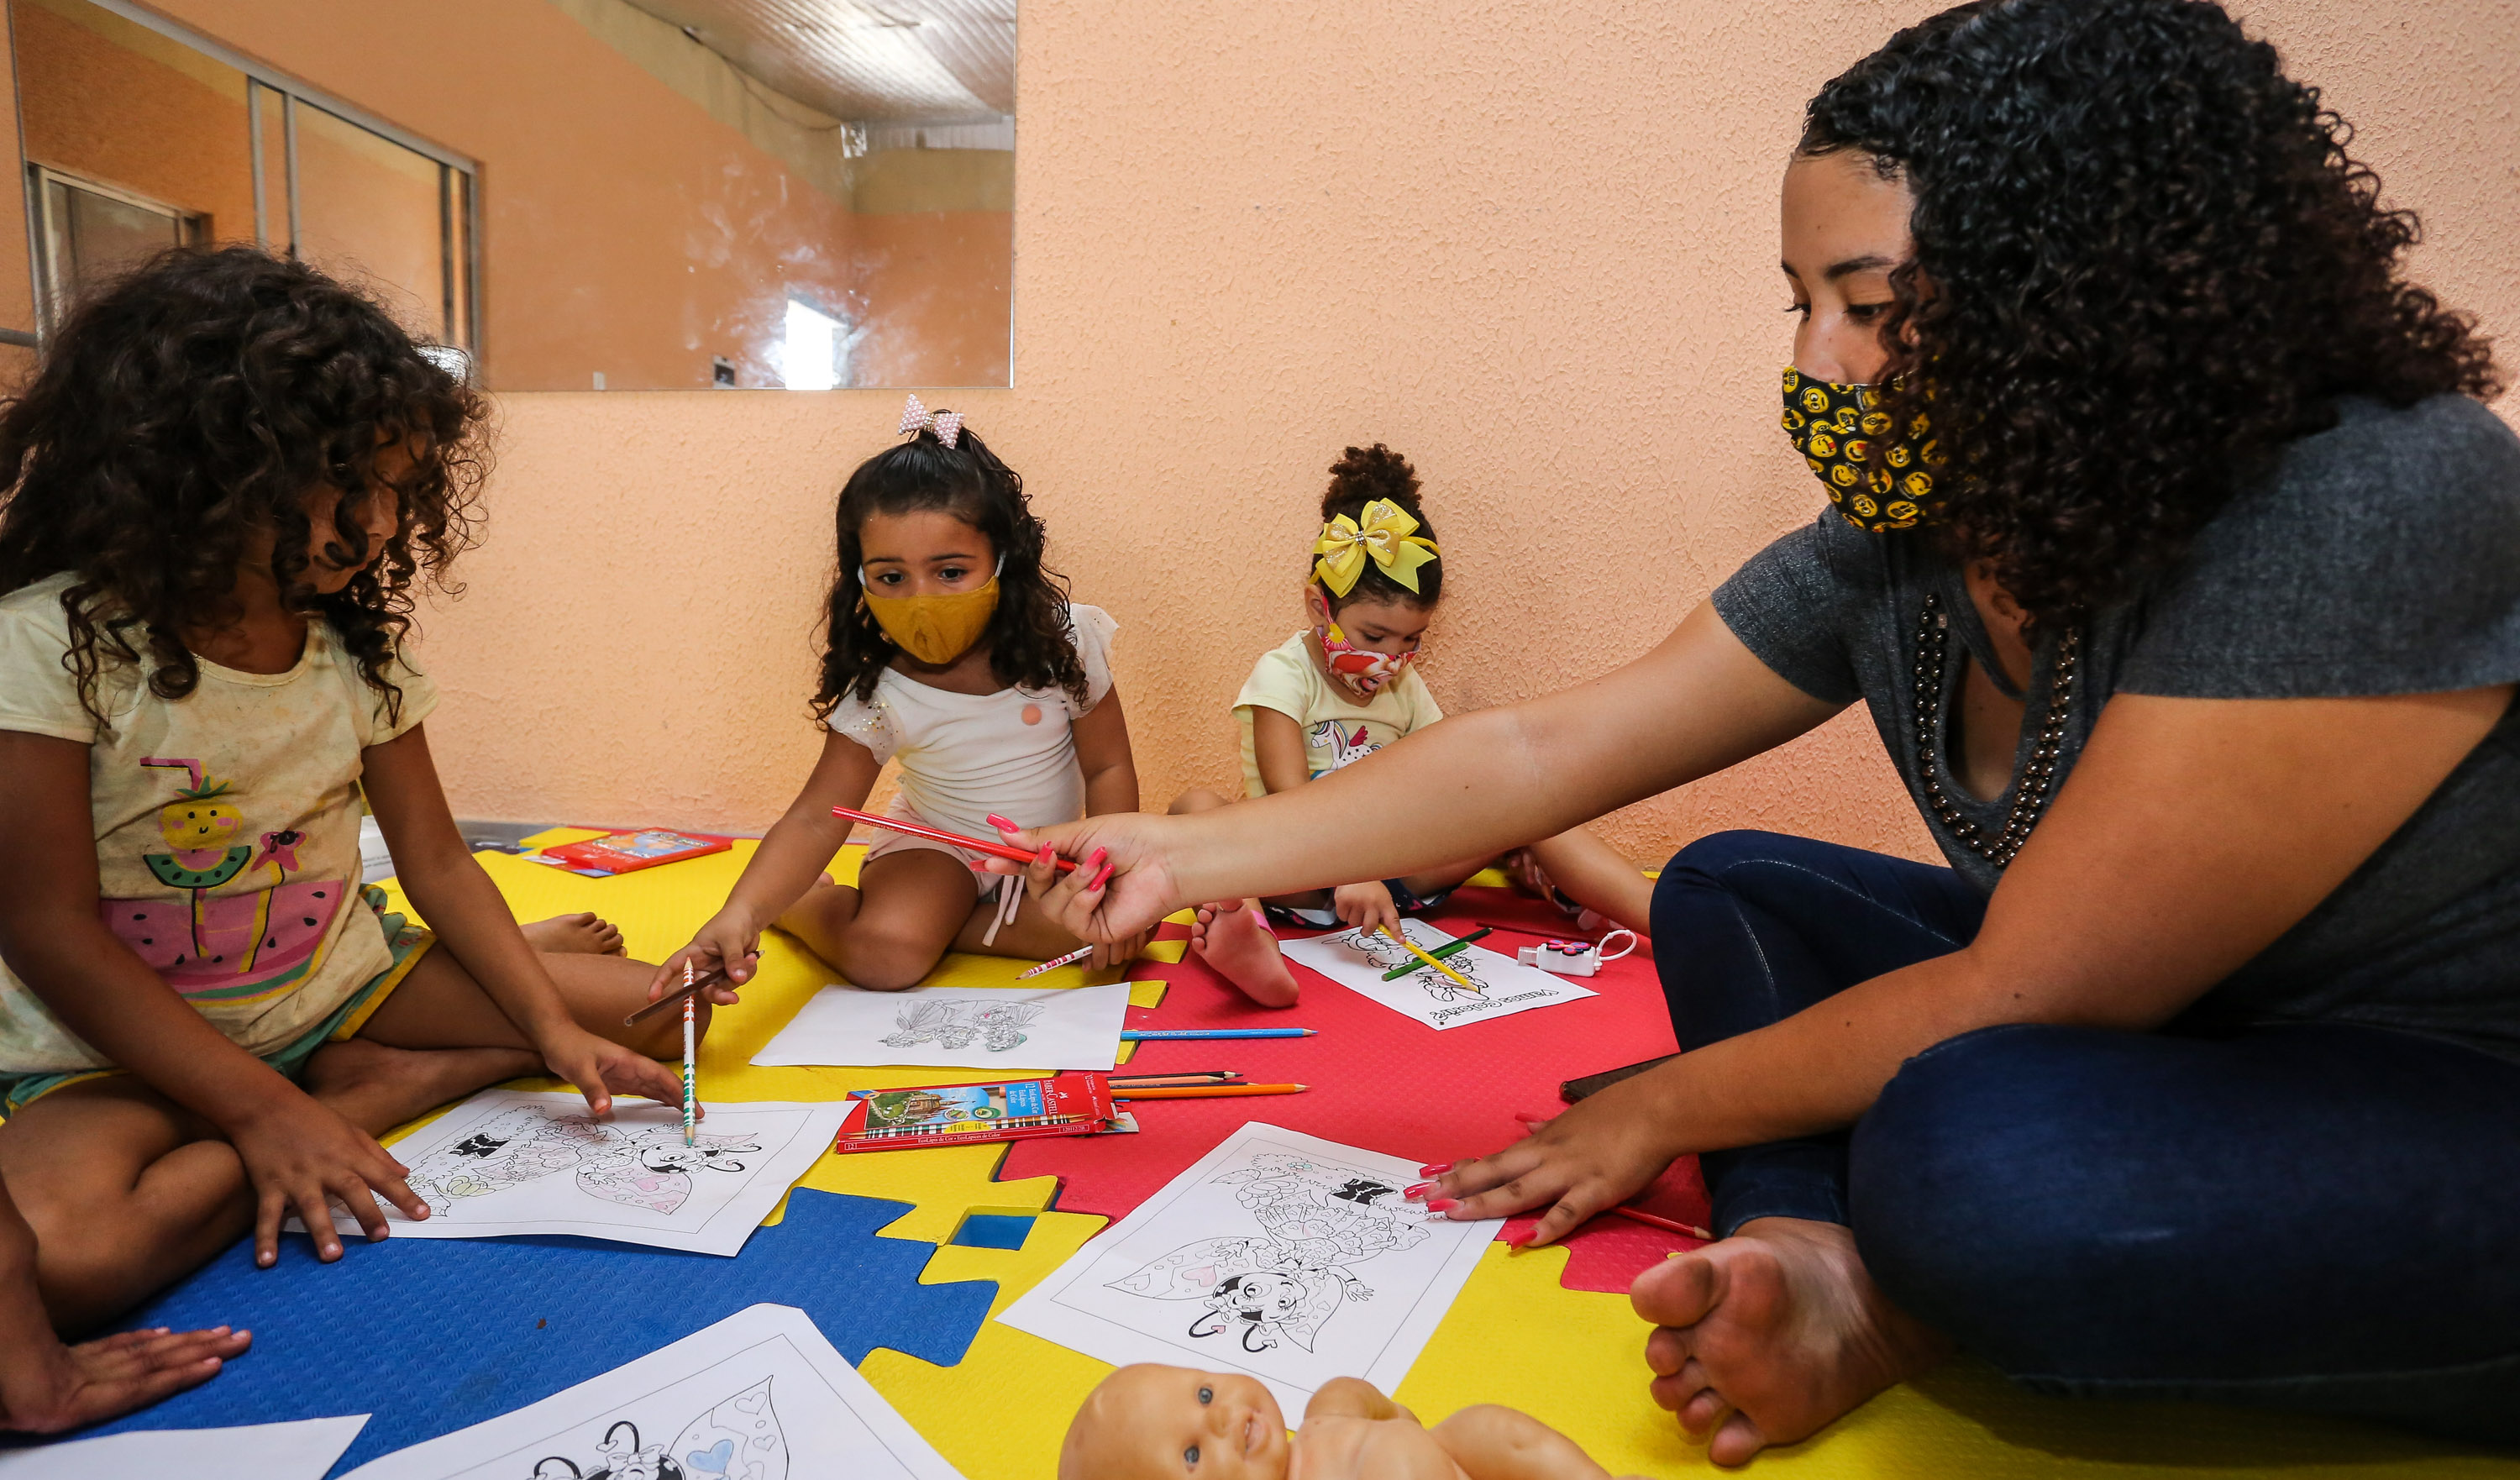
column 1150, row 1035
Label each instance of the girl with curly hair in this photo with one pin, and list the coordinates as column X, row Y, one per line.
column 952, row 649
column 2178, row 562
column 223, row 485
column 1341, row 690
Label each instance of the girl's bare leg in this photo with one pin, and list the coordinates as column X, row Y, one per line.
column 889, row 931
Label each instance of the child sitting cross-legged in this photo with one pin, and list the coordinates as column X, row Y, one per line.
column 217, row 497
column 1332, row 695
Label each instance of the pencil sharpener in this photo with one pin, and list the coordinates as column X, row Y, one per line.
column 1575, row 957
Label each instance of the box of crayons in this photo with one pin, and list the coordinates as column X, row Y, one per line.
column 1077, row 1103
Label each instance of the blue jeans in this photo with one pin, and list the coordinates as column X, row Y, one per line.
column 2320, row 1217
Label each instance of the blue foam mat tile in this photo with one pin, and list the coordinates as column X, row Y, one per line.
column 430, row 1335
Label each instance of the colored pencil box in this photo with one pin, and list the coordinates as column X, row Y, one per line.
column 629, row 852
column 1075, row 1103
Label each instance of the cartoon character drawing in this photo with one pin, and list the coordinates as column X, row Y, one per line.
column 647, row 1168
column 239, row 948
column 1316, row 1220
column 1345, row 749
column 998, row 1026
column 1384, row 953
column 738, row 1439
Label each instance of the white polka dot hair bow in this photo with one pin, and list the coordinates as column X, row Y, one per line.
column 947, row 424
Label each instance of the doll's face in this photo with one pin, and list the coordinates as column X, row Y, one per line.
column 1151, row 1422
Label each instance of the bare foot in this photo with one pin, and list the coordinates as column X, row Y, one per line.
column 1231, row 938
column 810, row 906
column 582, row 934
column 376, row 1087
column 1772, row 1334
column 46, row 1392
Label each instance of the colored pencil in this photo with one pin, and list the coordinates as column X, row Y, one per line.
column 1118, row 1077
column 939, row 834
column 701, row 983
column 1055, row 962
column 1177, row 1035
column 690, row 1046
column 1410, row 946
column 1165, row 1082
column 1657, row 1221
column 1521, row 929
column 1210, row 1092
column 1452, row 948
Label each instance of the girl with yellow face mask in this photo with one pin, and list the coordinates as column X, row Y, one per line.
column 953, row 651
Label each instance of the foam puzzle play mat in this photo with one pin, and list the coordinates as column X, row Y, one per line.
column 603, row 1299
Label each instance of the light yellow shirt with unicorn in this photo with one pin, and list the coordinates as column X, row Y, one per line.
column 227, row 829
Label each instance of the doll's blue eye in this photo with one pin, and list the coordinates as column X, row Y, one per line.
column 1190, row 1456
column 1206, row 1393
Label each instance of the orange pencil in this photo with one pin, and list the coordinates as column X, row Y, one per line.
column 1657, row 1221
column 1208, row 1092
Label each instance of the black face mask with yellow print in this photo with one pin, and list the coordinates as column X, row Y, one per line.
column 1838, row 428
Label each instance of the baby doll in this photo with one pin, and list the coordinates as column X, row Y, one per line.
column 1151, row 1422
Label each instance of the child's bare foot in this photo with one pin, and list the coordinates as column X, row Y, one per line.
column 1769, row 1335
column 377, row 1087
column 584, row 933
column 1231, row 937
column 49, row 1391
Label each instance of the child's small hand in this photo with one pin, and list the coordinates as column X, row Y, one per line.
column 602, row 1068
column 299, row 1156
column 1366, row 906
column 724, row 944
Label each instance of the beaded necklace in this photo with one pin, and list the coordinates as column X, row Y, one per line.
column 2036, row 780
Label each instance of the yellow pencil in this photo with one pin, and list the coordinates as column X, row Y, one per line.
column 1406, row 945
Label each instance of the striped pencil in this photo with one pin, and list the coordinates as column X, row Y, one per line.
column 690, row 1046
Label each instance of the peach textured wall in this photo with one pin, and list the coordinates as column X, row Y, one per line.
column 1532, row 244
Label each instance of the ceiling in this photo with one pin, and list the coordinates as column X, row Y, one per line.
column 931, row 60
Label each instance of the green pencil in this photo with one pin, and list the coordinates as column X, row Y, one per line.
column 1439, row 952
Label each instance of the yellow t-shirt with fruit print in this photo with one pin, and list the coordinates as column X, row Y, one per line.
column 227, row 829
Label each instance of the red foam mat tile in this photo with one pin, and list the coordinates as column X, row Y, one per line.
column 1388, row 1082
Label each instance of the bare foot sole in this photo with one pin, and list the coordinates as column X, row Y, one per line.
column 1769, row 1335
column 584, row 933
column 106, row 1378
column 377, row 1087
column 1231, row 938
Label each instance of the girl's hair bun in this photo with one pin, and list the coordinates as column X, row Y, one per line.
column 1360, row 476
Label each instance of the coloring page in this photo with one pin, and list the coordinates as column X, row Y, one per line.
column 1282, row 1255
column 956, row 1028
column 1500, row 986
column 759, row 1396
column 305, row 1450
column 511, row 1162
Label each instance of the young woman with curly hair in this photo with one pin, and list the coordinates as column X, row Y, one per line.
column 2179, row 564
column 952, row 647
column 217, row 496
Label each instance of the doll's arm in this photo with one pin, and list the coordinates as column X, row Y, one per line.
column 1492, row 1442
column 1353, row 1398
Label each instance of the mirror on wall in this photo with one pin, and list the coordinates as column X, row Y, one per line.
column 569, row 194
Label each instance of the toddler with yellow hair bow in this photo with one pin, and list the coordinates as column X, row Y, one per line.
column 1346, row 687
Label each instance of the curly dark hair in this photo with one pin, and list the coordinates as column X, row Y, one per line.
column 193, row 405
column 2144, row 261
column 1360, row 476
column 1027, row 635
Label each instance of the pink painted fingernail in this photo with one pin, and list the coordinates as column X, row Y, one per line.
column 1434, row 1169
column 1441, row 1204
column 1001, row 825
column 1098, row 855
column 1101, row 878
column 1415, row 1191
column 1046, row 855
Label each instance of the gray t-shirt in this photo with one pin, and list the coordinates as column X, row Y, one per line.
column 2380, row 557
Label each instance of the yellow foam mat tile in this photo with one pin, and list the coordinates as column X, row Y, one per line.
column 1572, row 1357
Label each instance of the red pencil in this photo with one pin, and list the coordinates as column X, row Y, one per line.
column 977, row 845
column 1657, row 1221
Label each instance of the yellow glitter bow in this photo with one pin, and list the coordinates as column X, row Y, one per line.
column 1388, row 534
